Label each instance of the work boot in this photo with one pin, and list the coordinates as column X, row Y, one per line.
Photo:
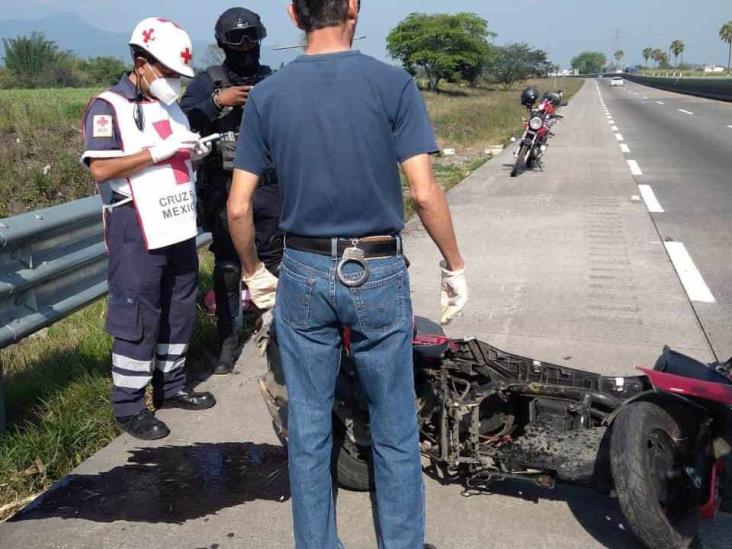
column 228, row 355
column 187, row 399
column 144, row 426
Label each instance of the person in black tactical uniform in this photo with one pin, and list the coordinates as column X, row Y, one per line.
column 214, row 103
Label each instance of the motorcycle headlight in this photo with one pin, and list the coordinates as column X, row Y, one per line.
column 536, row 122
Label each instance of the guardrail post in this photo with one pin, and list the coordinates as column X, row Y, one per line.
column 2, row 399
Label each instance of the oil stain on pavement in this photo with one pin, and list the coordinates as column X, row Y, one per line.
column 170, row 484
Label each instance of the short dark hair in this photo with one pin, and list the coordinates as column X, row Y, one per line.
column 319, row 14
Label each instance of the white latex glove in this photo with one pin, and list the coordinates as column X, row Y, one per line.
column 262, row 287
column 173, row 145
column 453, row 293
column 201, row 151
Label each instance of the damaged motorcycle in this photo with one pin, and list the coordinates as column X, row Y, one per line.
column 659, row 440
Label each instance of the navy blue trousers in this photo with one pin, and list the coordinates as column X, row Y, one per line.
column 151, row 312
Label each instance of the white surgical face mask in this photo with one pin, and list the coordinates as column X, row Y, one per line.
column 167, row 90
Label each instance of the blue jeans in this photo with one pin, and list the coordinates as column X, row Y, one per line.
column 312, row 307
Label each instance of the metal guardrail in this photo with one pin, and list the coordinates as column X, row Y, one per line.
column 52, row 262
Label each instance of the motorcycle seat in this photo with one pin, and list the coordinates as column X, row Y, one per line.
column 673, row 362
column 429, row 339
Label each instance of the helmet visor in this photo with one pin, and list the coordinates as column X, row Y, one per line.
column 237, row 37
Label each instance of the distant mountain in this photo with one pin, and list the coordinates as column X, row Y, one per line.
column 71, row 32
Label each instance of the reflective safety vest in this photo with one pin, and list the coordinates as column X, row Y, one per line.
column 164, row 195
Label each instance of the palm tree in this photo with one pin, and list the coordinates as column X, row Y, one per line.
column 657, row 55
column 647, row 54
column 725, row 33
column 677, row 48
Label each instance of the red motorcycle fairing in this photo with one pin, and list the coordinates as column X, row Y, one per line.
column 690, row 387
column 710, row 508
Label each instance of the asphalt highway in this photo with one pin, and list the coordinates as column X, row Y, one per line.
column 679, row 150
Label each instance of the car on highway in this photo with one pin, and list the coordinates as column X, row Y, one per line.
column 617, row 81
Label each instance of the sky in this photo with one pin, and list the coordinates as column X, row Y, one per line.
column 561, row 27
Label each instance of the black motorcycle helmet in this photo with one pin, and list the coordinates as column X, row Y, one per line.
column 555, row 99
column 529, row 97
column 236, row 25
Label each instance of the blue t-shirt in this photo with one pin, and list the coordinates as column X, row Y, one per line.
column 337, row 126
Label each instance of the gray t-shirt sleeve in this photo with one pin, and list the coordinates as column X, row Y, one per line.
column 252, row 151
column 413, row 132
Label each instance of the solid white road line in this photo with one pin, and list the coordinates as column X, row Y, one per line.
column 660, row 102
column 649, row 197
column 634, row 167
column 691, row 278
column 614, row 129
column 624, row 148
column 686, row 112
column 619, row 137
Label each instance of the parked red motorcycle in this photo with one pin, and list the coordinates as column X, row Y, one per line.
column 538, row 127
column 660, row 439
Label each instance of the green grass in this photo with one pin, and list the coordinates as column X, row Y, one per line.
column 40, row 145
column 58, row 382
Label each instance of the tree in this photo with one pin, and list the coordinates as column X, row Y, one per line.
column 647, row 54
column 618, row 55
column 29, row 57
column 446, row 47
column 515, row 62
column 589, row 62
column 677, row 48
column 102, row 70
column 725, row 33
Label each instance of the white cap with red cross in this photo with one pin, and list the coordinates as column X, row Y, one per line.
column 167, row 42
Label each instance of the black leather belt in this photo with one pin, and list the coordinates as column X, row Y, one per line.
column 349, row 250
column 372, row 247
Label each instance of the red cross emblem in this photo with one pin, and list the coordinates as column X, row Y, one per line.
column 147, row 35
column 187, row 56
column 178, row 162
column 103, row 122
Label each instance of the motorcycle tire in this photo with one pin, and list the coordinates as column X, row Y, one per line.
column 530, row 161
column 519, row 161
column 351, row 466
column 645, row 449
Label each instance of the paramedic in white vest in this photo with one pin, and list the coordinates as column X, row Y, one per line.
column 140, row 150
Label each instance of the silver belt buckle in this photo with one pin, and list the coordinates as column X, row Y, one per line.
column 353, row 255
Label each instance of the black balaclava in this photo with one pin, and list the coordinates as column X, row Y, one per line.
column 243, row 63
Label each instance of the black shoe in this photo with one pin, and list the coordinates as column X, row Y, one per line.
column 144, row 426
column 429, row 546
column 230, row 351
column 187, row 399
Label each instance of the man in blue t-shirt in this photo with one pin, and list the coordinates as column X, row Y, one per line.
column 338, row 124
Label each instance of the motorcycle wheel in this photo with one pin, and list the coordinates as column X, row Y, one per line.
column 530, row 161
column 653, row 490
column 519, row 160
column 351, row 464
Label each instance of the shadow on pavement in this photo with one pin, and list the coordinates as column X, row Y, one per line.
column 170, row 484
column 599, row 515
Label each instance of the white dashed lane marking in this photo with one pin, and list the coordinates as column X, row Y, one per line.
column 634, row 167
column 691, row 278
column 686, row 112
column 624, row 148
column 649, row 197
column 619, row 137
column 614, row 128
column 660, row 102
